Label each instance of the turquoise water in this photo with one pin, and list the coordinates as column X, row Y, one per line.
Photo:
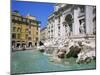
column 34, row 61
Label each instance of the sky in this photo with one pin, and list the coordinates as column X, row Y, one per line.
column 40, row 10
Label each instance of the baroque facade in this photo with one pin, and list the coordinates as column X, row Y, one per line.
column 43, row 34
column 72, row 21
column 25, row 31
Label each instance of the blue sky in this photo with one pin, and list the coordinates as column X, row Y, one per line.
column 40, row 10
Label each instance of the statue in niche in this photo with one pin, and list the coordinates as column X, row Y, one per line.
column 94, row 26
column 81, row 28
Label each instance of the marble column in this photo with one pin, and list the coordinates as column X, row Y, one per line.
column 76, row 22
column 56, row 29
column 62, row 27
column 89, row 19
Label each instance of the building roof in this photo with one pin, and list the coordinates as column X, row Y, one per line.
column 32, row 18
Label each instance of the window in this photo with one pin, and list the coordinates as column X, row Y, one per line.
column 29, row 32
column 14, row 29
column 36, row 33
column 18, row 36
column 31, row 21
column 52, row 26
column 24, row 20
column 19, row 30
column 26, row 36
column 58, row 24
column 58, row 27
column 13, row 36
column 29, row 38
column 37, row 28
column 12, row 17
column 19, row 18
column 29, row 27
column 16, row 18
column 37, row 39
column 51, row 30
column 51, row 37
column 58, row 34
column 59, row 19
column 28, row 21
column 13, row 24
column 26, row 30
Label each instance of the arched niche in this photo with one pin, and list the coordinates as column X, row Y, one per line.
column 69, row 21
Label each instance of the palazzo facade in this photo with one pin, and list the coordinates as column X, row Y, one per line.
column 43, row 34
column 25, row 31
column 72, row 21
